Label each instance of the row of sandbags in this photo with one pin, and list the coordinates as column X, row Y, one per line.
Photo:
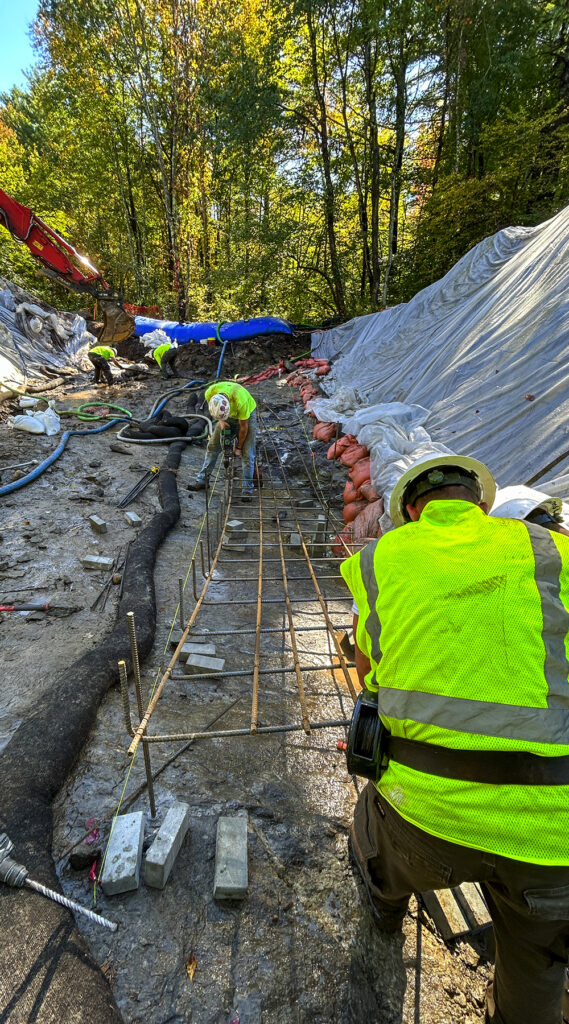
column 362, row 504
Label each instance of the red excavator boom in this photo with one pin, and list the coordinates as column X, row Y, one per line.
column 59, row 261
column 49, row 248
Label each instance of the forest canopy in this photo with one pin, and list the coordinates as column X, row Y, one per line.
column 302, row 158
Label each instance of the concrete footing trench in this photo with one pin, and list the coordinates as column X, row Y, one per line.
column 252, row 736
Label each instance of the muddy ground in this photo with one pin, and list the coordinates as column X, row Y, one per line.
column 301, row 947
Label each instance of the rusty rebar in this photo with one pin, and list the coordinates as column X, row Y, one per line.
column 138, row 690
column 255, row 697
column 146, row 718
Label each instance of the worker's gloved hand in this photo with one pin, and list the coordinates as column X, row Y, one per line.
column 237, row 452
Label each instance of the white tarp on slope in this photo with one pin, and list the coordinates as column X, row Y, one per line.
column 32, row 337
column 464, row 353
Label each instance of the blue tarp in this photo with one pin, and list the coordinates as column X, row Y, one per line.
column 237, row 330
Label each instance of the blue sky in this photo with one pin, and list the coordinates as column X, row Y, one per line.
column 16, row 54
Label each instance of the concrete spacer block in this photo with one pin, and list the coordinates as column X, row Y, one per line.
column 122, row 863
column 98, row 524
column 295, row 541
column 164, row 850
column 196, row 664
column 306, row 503
column 200, row 649
column 133, row 519
column 97, row 562
column 231, row 879
column 235, row 526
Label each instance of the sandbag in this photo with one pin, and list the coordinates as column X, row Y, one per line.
column 368, row 492
column 353, row 454
column 324, row 431
column 366, row 525
column 351, row 493
column 340, row 446
column 360, row 472
column 338, row 548
column 352, row 510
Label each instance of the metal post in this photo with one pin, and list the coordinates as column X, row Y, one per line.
column 136, row 673
column 194, row 578
column 207, row 523
column 181, row 605
column 204, row 574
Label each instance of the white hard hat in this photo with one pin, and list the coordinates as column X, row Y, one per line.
column 218, row 406
column 468, row 472
column 114, row 351
column 519, row 501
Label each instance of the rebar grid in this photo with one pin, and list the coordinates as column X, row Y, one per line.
column 290, row 630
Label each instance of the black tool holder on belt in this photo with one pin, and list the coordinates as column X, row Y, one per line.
column 371, row 746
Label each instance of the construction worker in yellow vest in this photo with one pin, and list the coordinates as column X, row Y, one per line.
column 463, row 632
column 100, row 356
column 232, row 406
column 165, row 356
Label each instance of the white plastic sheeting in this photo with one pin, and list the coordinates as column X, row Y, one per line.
column 32, row 337
column 469, row 352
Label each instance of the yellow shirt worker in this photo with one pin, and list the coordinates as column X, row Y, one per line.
column 231, row 405
column 462, row 630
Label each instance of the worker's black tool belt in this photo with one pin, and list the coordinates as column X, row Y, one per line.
column 498, row 767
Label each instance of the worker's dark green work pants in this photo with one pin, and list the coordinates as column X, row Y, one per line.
column 529, row 904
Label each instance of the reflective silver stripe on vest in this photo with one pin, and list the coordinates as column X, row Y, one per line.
column 548, row 568
column 369, row 580
column 536, row 725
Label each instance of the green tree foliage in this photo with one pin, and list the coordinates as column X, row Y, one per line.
column 302, row 158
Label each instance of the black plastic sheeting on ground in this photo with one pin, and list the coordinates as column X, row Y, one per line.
column 46, row 971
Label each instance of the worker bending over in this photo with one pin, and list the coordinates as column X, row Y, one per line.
column 231, row 405
column 165, row 356
column 101, row 356
column 462, row 627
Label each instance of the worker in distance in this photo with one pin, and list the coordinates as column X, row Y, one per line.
column 231, row 405
column 462, row 631
column 100, row 356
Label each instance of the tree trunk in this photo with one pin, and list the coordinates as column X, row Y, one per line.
column 324, row 145
column 400, row 74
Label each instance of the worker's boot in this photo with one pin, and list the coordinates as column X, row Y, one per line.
column 196, row 485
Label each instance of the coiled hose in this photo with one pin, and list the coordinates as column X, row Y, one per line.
column 35, row 473
column 8, row 488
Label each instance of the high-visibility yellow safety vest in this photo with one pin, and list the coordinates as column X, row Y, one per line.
column 160, row 350
column 465, row 620
column 241, row 402
column 102, row 350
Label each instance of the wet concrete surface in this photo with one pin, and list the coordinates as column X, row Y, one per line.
column 301, row 947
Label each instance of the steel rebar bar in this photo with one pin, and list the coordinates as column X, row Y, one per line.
column 138, row 691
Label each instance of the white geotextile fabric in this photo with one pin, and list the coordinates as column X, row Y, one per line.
column 31, row 336
column 459, row 359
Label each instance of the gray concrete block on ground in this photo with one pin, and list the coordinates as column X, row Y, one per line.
column 295, row 540
column 165, row 848
column 133, row 519
column 121, row 871
column 231, row 877
column 207, row 650
column 196, row 664
column 99, row 525
column 235, row 526
column 97, row 562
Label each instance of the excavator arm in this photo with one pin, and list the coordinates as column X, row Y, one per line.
column 61, row 262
